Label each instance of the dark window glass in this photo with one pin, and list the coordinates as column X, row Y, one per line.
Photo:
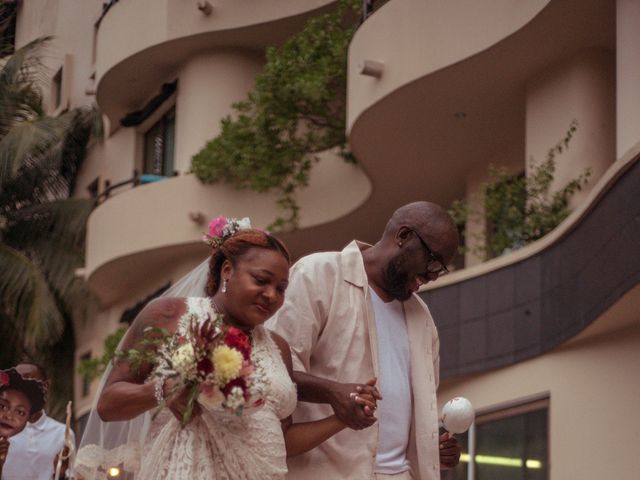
column 514, row 447
column 158, row 146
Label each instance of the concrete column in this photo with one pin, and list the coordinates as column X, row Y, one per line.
column 208, row 85
column 582, row 88
column 627, row 75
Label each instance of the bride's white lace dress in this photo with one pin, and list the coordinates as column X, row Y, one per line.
column 218, row 445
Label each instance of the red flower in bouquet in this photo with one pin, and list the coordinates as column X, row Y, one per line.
column 4, row 379
column 236, row 338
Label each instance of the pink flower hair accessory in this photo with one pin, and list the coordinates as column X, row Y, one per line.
column 221, row 228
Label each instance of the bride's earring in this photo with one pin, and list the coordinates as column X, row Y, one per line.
column 224, row 286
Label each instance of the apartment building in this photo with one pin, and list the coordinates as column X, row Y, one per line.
column 544, row 340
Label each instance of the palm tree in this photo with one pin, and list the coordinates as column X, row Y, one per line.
column 41, row 229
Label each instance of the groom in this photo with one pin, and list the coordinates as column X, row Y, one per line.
column 355, row 314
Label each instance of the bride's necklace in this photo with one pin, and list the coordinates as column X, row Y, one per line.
column 217, row 310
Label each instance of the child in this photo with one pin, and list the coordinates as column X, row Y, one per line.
column 19, row 399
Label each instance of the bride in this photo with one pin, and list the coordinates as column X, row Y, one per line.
column 246, row 278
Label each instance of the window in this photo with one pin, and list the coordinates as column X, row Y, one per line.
column 510, row 444
column 158, row 146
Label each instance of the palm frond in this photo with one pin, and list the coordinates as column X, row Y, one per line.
column 53, row 235
column 21, row 79
column 27, row 300
column 32, row 144
column 40, row 159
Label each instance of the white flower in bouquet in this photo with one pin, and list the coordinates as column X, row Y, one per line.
column 235, row 399
column 183, row 361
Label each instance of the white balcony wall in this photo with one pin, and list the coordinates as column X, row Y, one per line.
column 582, row 88
column 208, row 85
column 627, row 74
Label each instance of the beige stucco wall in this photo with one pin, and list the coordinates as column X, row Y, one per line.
column 208, row 85
column 132, row 27
column 594, row 422
column 627, row 74
column 433, row 36
column 582, row 88
column 152, row 218
column 70, row 23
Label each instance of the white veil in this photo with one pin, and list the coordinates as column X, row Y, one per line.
column 109, row 445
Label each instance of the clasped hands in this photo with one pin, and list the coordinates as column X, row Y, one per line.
column 355, row 405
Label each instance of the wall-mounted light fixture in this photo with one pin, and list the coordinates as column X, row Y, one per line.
column 197, row 217
column 205, row 7
column 371, row 68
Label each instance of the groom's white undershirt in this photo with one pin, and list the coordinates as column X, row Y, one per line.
column 395, row 408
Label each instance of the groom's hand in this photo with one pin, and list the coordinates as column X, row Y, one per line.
column 354, row 403
column 449, row 451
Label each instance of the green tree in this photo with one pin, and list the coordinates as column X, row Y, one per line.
column 42, row 230
column 296, row 110
column 521, row 209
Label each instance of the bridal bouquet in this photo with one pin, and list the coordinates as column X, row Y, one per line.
column 212, row 361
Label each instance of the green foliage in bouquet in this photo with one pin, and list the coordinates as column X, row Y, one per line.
column 521, row 209
column 296, row 110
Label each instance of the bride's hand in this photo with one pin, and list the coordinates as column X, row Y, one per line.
column 178, row 403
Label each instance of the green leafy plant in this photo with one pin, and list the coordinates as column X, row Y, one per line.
column 520, row 209
column 92, row 368
column 296, row 110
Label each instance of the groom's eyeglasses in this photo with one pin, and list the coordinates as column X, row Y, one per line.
column 435, row 265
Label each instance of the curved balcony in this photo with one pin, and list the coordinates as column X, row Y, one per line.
column 142, row 42
column 586, row 272
column 146, row 231
column 451, row 90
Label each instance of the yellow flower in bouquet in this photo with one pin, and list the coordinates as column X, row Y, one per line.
column 227, row 364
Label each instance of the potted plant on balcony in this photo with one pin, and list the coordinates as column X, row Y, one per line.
column 296, row 110
column 519, row 209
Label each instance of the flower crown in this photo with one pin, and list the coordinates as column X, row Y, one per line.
column 221, row 228
column 34, row 389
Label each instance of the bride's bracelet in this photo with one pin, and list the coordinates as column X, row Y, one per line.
column 158, row 390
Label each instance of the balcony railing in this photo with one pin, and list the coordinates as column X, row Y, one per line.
column 136, row 180
column 106, row 6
